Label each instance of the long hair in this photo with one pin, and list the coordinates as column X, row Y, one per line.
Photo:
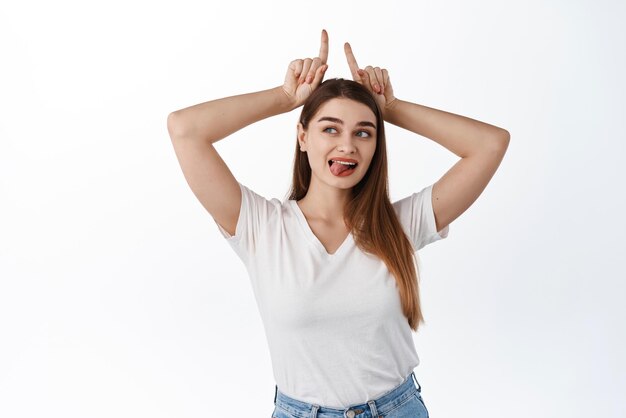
column 369, row 214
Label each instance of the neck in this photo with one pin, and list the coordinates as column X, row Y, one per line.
column 325, row 202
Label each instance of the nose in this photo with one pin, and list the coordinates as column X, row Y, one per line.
column 346, row 144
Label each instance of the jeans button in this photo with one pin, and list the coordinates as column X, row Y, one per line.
column 350, row 414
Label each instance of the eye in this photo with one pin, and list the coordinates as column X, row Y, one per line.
column 327, row 130
column 363, row 134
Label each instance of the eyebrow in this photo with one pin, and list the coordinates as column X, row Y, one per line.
column 339, row 121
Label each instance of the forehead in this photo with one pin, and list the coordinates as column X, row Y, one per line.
column 349, row 111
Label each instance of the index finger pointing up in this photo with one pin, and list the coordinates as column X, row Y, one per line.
column 324, row 47
column 354, row 67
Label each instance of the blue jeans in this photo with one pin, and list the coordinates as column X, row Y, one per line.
column 404, row 401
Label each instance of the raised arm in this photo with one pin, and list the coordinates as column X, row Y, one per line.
column 481, row 146
column 194, row 129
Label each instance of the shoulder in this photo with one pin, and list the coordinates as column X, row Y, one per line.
column 415, row 199
column 255, row 198
column 415, row 214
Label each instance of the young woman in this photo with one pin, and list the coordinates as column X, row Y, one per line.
column 333, row 267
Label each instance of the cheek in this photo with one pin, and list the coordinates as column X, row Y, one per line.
column 316, row 158
column 317, row 153
column 372, row 151
column 371, row 159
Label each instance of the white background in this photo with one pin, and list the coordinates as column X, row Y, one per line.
column 118, row 295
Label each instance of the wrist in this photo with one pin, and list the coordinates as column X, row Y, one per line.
column 284, row 101
column 390, row 108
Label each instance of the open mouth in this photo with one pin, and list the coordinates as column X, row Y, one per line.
column 341, row 167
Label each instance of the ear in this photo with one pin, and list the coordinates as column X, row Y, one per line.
column 302, row 137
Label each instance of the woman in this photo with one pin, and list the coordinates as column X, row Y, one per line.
column 333, row 267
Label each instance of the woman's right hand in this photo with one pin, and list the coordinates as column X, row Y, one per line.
column 304, row 75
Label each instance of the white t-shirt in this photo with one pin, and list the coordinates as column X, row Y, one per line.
column 333, row 322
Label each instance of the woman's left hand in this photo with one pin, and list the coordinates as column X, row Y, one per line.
column 375, row 79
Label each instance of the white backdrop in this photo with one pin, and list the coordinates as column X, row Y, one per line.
column 119, row 297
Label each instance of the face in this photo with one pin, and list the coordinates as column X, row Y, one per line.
column 341, row 129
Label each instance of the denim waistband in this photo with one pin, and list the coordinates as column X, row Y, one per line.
column 370, row 409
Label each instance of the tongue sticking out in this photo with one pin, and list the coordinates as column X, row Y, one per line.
column 338, row 168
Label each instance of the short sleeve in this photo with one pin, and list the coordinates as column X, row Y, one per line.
column 415, row 213
column 254, row 214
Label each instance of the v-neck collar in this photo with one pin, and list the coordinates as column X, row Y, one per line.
column 306, row 228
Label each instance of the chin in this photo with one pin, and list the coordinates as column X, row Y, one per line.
column 346, row 183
